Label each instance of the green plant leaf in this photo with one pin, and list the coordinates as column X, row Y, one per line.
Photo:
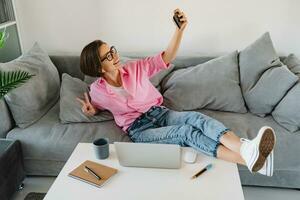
column 12, row 79
column 1, row 39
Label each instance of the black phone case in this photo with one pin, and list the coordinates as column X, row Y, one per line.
column 177, row 20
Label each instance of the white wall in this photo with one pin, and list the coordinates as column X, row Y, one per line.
column 215, row 27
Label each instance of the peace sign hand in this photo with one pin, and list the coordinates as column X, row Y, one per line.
column 87, row 108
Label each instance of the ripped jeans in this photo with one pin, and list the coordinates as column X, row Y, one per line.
column 187, row 128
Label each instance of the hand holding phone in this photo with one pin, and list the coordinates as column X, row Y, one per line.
column 176, row 19
column 180, row 19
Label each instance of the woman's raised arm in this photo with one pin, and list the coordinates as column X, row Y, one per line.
column 170, row 53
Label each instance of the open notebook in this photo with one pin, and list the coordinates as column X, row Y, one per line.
column 103, row 171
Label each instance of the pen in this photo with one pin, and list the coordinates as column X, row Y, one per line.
column 209, row 166
column 89, row 170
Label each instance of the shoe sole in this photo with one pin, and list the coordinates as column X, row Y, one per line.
column 270, row 166
column 266, row 145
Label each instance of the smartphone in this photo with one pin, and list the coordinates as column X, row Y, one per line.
column 177, row 20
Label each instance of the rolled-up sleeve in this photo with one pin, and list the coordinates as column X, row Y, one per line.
column 154, row 64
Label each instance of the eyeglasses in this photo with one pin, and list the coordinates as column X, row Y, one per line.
column 110, row 55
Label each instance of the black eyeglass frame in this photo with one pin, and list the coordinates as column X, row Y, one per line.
column 109, row 55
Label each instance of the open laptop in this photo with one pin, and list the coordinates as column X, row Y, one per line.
column 148, row 155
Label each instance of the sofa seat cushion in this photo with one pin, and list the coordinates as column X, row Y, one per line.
column 286, row 158
column 48, row 142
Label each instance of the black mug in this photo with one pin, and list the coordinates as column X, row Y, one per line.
column 101, row 148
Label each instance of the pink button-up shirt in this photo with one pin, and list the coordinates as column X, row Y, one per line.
column 143, row 95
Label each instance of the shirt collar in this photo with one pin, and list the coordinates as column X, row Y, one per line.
column 104, row 83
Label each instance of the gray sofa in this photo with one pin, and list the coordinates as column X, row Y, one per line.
column 48, row 143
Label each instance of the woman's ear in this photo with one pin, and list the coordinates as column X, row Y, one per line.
column 101, row 70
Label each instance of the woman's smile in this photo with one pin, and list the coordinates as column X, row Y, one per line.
column 117, row 62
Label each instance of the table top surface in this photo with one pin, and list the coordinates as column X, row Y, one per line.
column 220, row 182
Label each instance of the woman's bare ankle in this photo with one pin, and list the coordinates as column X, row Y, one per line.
column 231, row 141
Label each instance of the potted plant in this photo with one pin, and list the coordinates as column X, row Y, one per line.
column 11, row 79
column 3, row 37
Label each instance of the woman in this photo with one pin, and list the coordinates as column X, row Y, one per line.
column 125, row 90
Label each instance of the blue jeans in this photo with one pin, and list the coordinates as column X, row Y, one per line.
column 187, row 128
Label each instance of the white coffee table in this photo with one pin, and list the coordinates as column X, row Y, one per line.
column 221, row 182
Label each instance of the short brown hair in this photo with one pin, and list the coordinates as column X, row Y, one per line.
column 90, row 63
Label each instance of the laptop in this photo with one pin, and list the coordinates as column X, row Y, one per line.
column 148, row 155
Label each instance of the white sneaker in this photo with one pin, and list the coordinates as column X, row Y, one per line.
column 267, row 169
column 255, row 151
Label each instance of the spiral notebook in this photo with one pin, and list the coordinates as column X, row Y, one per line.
column 105, row 172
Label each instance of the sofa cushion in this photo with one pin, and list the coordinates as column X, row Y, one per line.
column 47, row 144
column 157, row 78
column 287, row 112
column 29, row 102
column 70, row 108
column 264, row 78
column 211, row 85
column 286, row 161
column 293, row 63
column 6, row 120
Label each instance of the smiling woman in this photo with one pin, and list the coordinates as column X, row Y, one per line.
column 143, row 117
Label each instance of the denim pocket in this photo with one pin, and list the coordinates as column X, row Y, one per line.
column 148, row 118
column 156, row 112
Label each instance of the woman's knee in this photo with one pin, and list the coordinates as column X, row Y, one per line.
column 188, row 133
column 182, row 132
column 199, row 117
column 183, row 129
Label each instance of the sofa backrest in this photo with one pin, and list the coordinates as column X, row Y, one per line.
column 70, row 64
